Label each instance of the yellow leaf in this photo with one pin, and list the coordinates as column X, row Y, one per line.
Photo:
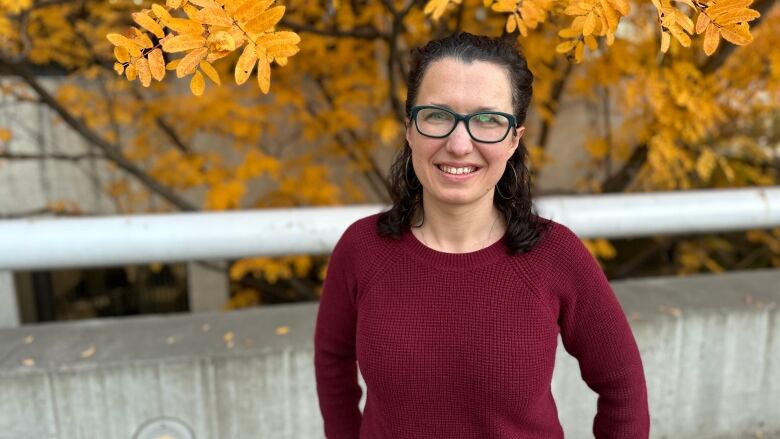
column 213, row 56
column 173, row 64
column 144, row 74
column 622, row 6
column 266, row 20
column 185, row 26
column 579, row 51
column 214, row 17
column 738, row 16
column 209, row 70
column 250, row 9
column 590, row 24
column 204, row 3
column 610, row 14
column 738, row 34
column 264, row 75
column 122, row 41
column 568, row 33
column 5, row 136
column 436, row 8
column 511, row 24
column 182, row 43
column 711, row 39
column 666, row 40
column 282, row 51
column 157, row 64
column 131, row 73
column 726, row 6
column 246, row 62
column 574, row 9
column 161, row 13
column 139, row 37
column 566, row 46
column 190, row 62
column 590, row 41
column 728, row 171
column 197, row 84
column 148, row 23
column 276, row 38
column 173, row 4
column 121, row 54
column 706, row 163
column 702, row 21
column 119, row 68
column 281, row 61
column 684, row 21
column 191, row 11
column 221, row 41
column 680, row 36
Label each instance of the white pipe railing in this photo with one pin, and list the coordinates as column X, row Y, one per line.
column 27, row 244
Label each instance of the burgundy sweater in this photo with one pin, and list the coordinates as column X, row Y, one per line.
column 463, row 345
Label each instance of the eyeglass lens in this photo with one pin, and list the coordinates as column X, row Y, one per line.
column 484, row 127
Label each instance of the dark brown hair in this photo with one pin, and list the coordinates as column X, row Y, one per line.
column 524, row 227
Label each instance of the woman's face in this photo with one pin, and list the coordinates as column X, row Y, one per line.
column 463, row 88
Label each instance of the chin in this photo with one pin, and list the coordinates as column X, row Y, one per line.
column 457, row 198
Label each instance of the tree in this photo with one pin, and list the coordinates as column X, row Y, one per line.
column 675, row 104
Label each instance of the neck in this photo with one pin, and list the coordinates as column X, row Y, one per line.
column 459, row 228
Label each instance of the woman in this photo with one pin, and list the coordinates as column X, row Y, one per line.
column 452, row 301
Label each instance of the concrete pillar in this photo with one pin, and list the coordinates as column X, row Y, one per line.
column 9, row 309
column 208, row 287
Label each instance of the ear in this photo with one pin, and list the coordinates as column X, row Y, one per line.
column 516, row 139
column 409, row 129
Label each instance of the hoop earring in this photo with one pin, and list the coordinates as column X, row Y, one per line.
column 406, row 176
column 517, row 182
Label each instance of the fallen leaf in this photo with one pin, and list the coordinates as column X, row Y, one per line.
column 248, row 343
column 228, row 336
column 28, row 361
column 29, row 339
column 670, row 310
column 171, row 340
column 281, row 330
column 205, row 327
column 88, row 352
column 748, row 299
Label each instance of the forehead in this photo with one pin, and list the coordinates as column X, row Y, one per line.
column 466, row 86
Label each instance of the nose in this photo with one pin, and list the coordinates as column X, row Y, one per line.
column 459, row 142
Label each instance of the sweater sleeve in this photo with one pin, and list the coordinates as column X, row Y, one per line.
column 334, row 348
column 596, row 332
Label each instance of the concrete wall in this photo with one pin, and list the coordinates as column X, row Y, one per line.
column 710, row 344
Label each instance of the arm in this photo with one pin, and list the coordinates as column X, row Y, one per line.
column 334, row 350
column 595, row 330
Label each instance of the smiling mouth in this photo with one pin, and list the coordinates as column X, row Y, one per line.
column 457, row 171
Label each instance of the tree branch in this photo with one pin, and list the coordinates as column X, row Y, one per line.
column 553, row 104
column 110, row 150
column 55, row 156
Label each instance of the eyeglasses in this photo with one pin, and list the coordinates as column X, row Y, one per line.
column 482, row 126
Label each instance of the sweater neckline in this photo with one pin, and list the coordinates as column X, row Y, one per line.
column 453, row 261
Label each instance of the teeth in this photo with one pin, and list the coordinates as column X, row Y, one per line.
column 457, row 171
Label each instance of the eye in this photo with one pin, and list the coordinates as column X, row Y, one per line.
column 437, row 116
column 488, row 119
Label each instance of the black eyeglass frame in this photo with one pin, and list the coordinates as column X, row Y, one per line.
column 465, row 118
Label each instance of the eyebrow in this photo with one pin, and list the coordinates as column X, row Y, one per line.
column 475, row 111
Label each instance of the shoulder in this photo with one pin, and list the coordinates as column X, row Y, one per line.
column 363, row 235
column 558, row 240
column 362, row 247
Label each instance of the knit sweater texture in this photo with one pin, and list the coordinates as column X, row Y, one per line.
column 463, row 345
